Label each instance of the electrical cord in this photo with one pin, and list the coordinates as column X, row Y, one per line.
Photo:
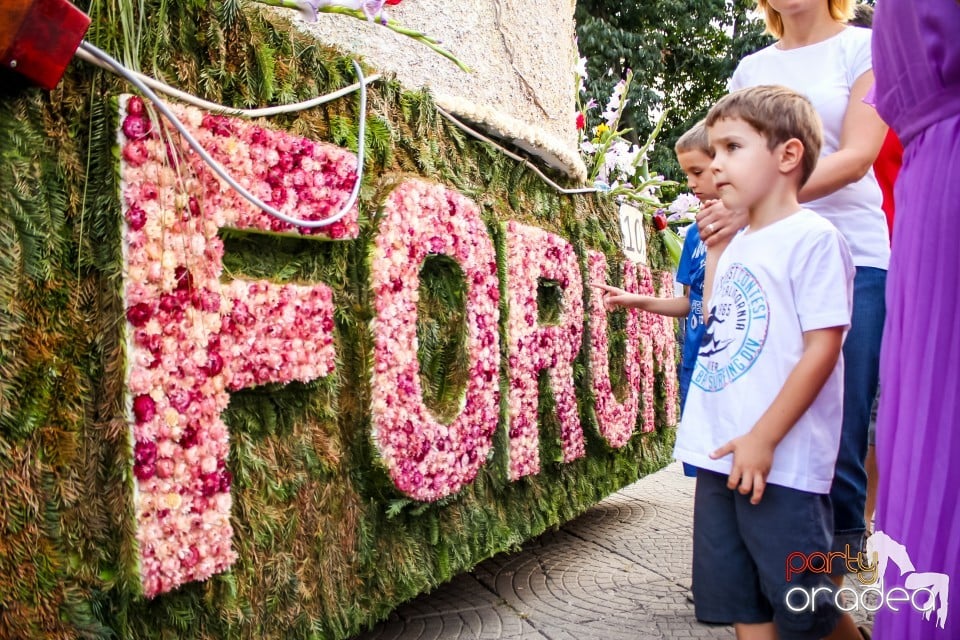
column 97, row 57
column 479, row 136
column 262, row 112
column 132, row 78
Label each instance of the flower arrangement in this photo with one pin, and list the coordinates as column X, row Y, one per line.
column 534, row 254
column 369, row 10
column 619, row 167
column 190, row 337
column 683, row 212
column 426, row 458
column 615, row 164
column 615, row 420
column 304, row 499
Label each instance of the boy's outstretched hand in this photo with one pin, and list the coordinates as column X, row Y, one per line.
column 752, row 460
column 615, row 296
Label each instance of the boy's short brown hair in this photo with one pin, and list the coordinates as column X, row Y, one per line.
column 778, row 114
column 694, row 139
column 840, row 10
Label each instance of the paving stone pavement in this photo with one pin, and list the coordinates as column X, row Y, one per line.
column 619, row 571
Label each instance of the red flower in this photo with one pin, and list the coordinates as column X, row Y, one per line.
column 135, row 106
column 581, row 120
column 139, row 314
column 392, row 2
column 144, row 409
column 659, row 221
column 135, row 153
column 214, row 364
column 136, row 127
column 136, row 217
column 336, row 230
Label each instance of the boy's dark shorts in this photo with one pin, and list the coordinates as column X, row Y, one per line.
column 740, row 554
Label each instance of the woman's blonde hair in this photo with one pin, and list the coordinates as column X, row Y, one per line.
column 840, row 10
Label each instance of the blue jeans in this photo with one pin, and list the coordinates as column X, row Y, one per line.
column 861, row 362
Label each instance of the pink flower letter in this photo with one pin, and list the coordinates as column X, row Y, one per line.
column 616, row 420
column 647, row 323
column 427, row 459
column 665, row 353
column 534, row 254
column 190, row 338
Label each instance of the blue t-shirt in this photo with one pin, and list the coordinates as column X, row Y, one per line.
column 691, row 272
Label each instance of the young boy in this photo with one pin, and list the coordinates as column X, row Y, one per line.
column 693, row 154
column 762, row 419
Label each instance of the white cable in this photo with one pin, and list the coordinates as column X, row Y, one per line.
column 510, row 154
column 262, row 112
column 118, row 68
column 307, row 104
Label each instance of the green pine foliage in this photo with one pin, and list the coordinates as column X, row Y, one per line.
column 326, row 545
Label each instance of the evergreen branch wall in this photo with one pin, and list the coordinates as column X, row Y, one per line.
column 325, row 542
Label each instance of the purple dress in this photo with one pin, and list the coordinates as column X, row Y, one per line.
column 916, row 60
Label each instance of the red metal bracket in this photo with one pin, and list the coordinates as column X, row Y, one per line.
column 38, row 38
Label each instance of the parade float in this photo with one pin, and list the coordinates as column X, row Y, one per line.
column 270, row 373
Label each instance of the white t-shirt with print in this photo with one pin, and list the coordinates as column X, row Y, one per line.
column 772, row 285
column 824, row 72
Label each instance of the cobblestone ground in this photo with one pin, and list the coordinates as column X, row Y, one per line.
column 620, row 571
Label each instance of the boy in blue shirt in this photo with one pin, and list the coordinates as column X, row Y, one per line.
column 763, row 416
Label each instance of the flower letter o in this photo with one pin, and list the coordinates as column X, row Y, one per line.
column 425, row 458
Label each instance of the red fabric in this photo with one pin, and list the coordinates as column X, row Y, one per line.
column 886, row 167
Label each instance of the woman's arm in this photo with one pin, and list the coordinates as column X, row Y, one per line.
column 860, row 141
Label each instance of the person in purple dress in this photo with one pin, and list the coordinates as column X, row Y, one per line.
column 916, row 61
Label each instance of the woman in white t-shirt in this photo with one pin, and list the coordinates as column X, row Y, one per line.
column 818, row 55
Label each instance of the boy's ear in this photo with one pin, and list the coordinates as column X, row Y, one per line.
column 791, row 155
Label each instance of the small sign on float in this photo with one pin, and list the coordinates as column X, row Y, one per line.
column 634, row 235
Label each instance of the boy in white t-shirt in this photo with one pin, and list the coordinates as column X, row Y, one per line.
column 763, row 415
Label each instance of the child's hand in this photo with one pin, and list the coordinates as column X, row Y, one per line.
column 752, row 459
column 615, row 296
column 717, row 224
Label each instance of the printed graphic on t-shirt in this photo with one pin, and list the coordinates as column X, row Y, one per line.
column 695, row 317
column 700, row 252
column 736, row 330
